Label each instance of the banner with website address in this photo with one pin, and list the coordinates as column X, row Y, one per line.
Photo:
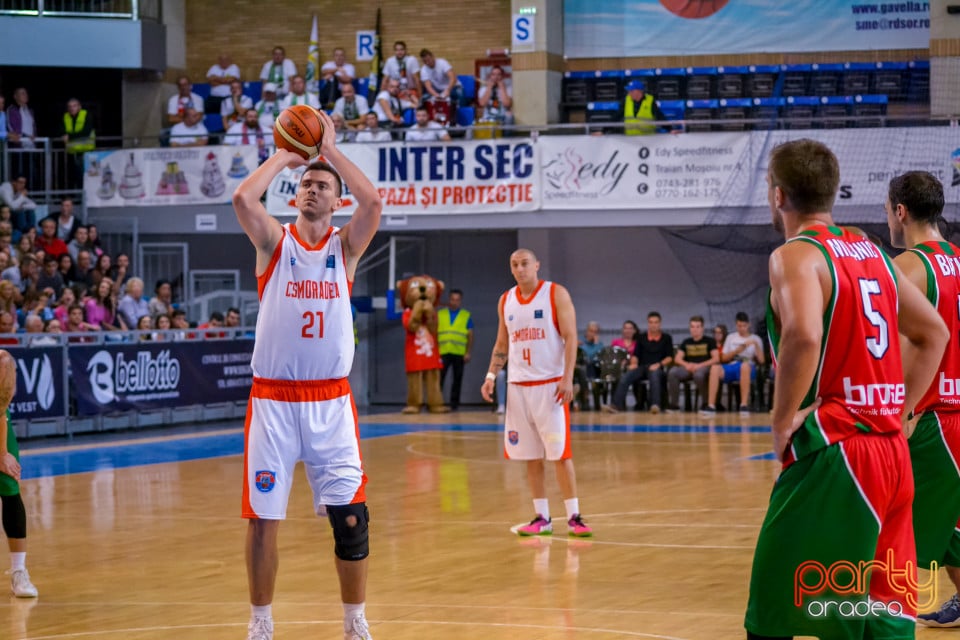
column 123, row 377
column 40, row 391
column 461, row 176
column 148, row 177
column 627, row 28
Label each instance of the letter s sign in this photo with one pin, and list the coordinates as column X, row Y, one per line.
column 523, row 32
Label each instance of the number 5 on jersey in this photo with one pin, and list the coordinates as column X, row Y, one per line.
column 525, row 354
column 312, row 318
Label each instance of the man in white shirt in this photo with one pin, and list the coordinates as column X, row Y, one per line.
column 221, row 75
column 344, row 133
column 249, row 131
column 438, row 79
column 373, row 132
column 351, row 107
column 184, row 99
column 388, row 105
column 190, row 132
column 741, row 353
column 404, row 69
column 278, row 70
column 426, row 130
column 235, row 105
column 338, row 68
column 14, row 195
column 495, row 98
column 67, row 223
column 299, row 94
column 268, row 108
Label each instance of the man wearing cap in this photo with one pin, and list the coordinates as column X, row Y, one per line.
column 640, row 111
column 268, row 108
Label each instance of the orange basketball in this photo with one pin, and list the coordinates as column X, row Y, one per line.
column 694, row 9
column 299, row 129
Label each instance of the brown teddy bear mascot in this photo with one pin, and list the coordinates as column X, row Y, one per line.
column 420, row 295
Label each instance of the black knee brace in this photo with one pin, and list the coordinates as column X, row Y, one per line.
column 14, row 517
column 753, row 636
column 351, row 540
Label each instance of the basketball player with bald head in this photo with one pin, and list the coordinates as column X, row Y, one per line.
column 914, row 207
column 301, row 406
column 537, row 333
column 838, row 313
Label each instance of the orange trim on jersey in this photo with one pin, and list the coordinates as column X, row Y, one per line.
column 246, row 509
column 553, row 305
column 264, row 277
column 299, row 390
column 535, row 383
column 317, row 247
column 567, row 452
column 361, row 494
column 533, row 295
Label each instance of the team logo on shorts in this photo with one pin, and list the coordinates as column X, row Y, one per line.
column 538, row 314
column 266, row 481
column 513, row 437
column 331, row 262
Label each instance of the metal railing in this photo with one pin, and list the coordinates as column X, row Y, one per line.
column 122, row 9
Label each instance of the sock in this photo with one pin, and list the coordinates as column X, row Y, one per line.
column 18, row 560
column 542, row 506
column 351, row 611
column 573, row 507
column 265, row 611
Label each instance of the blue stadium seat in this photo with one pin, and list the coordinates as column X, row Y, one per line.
column 856, row 77
column 767, row 110
column 603, row 111
column 673, row 109
column 825, row 79
column 889, row 80
column 608, row 85
column 761, row 83
column 870, row 109
column 730, row 81
column 700, row 110
column 202, row 89
column 794, row 79
column 734, row 109
column 834, row 111
column 918, row 89
column 254, row 89
column 701, row 82
column 668, row 83
column 469, row 84
column 800, row 111
column 465, row 116
column 213, row 122
column 409, row 117
column 577, row 87
column 362, row 85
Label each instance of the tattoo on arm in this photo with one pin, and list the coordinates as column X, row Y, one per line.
column 498, row 361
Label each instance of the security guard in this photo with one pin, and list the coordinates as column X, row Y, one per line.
column 455, row 334
column 640, row 110
column 78, row 138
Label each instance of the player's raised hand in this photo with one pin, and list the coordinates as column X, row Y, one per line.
column 328, row 141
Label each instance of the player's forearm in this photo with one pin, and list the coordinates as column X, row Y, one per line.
column 256, row 184
column 569, row 358
column 498, row 359
column 920, row 364
column 802, row 355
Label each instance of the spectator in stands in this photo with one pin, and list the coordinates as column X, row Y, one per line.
column 335, row 75
column 76, row 324
column 426, row 130
column 67, row 223
column 6, row 222
column 696, row 355
column 144, row 323
column 100, row 270
column 80, row 242
column 120, row 271
column 24, row 247
column 48, row 241
column 388, row 106
column 299, row 94
column 53, row 326
column 50, row 277
column 268, row 107
column 9, row 296
column 162, row 323
column 66, row 269
column 78, row 138
column 373, row 132
column 14, row 195
column 344, row 133
column 3, row 120
column 33, row 324
column 653, row 354
column 66, row 300
column 8, row 328
column 42, row 336
column 4, row 261
column 93, row 238
column 21, row 122
column 641, row 111
column 183, row 100
column 162, row 302
column 278, row 71
column 235, row 105
column 24, row 275
column 191, row 132
column 181, row 325
column 100, row 309
column 84, row 268
column 742, row 352
column 221, row 76
column 250, row 131
column 495, row 98
column 215, row 321
column 438, row 79
column 591, row 345
column 132, row 305
column 232, row 318
column 405, row 70
column 35, row 303
column 351, row 106
column 629, row 335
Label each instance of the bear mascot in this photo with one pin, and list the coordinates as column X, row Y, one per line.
column 420, row 296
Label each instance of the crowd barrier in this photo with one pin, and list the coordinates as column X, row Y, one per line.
column 105, row 384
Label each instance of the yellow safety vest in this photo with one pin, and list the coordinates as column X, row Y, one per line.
column 632, row 126
column 453, row 337
column 80, row 145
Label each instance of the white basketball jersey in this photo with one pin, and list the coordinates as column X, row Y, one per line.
column 305, row 328
column 536, row 348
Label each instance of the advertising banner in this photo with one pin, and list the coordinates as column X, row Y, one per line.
column 462, row 176
column 40, row 392
column 121, row 377
column 622, row 28
column 147, row 177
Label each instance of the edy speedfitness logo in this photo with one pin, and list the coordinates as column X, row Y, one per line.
column 841, row 589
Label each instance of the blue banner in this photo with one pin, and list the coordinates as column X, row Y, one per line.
column 120, row 377
column 618, row 28
column 40, row 392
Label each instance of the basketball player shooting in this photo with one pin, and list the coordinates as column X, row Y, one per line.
column 301, row 406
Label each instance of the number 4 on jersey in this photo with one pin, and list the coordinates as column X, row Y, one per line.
column 525, row 354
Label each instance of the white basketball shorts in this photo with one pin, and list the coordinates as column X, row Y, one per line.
column 536, row 426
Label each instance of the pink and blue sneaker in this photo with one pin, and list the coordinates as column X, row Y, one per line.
column 577, row 528
column 539, row 526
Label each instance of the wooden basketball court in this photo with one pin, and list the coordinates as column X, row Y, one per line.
column 125, row 543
